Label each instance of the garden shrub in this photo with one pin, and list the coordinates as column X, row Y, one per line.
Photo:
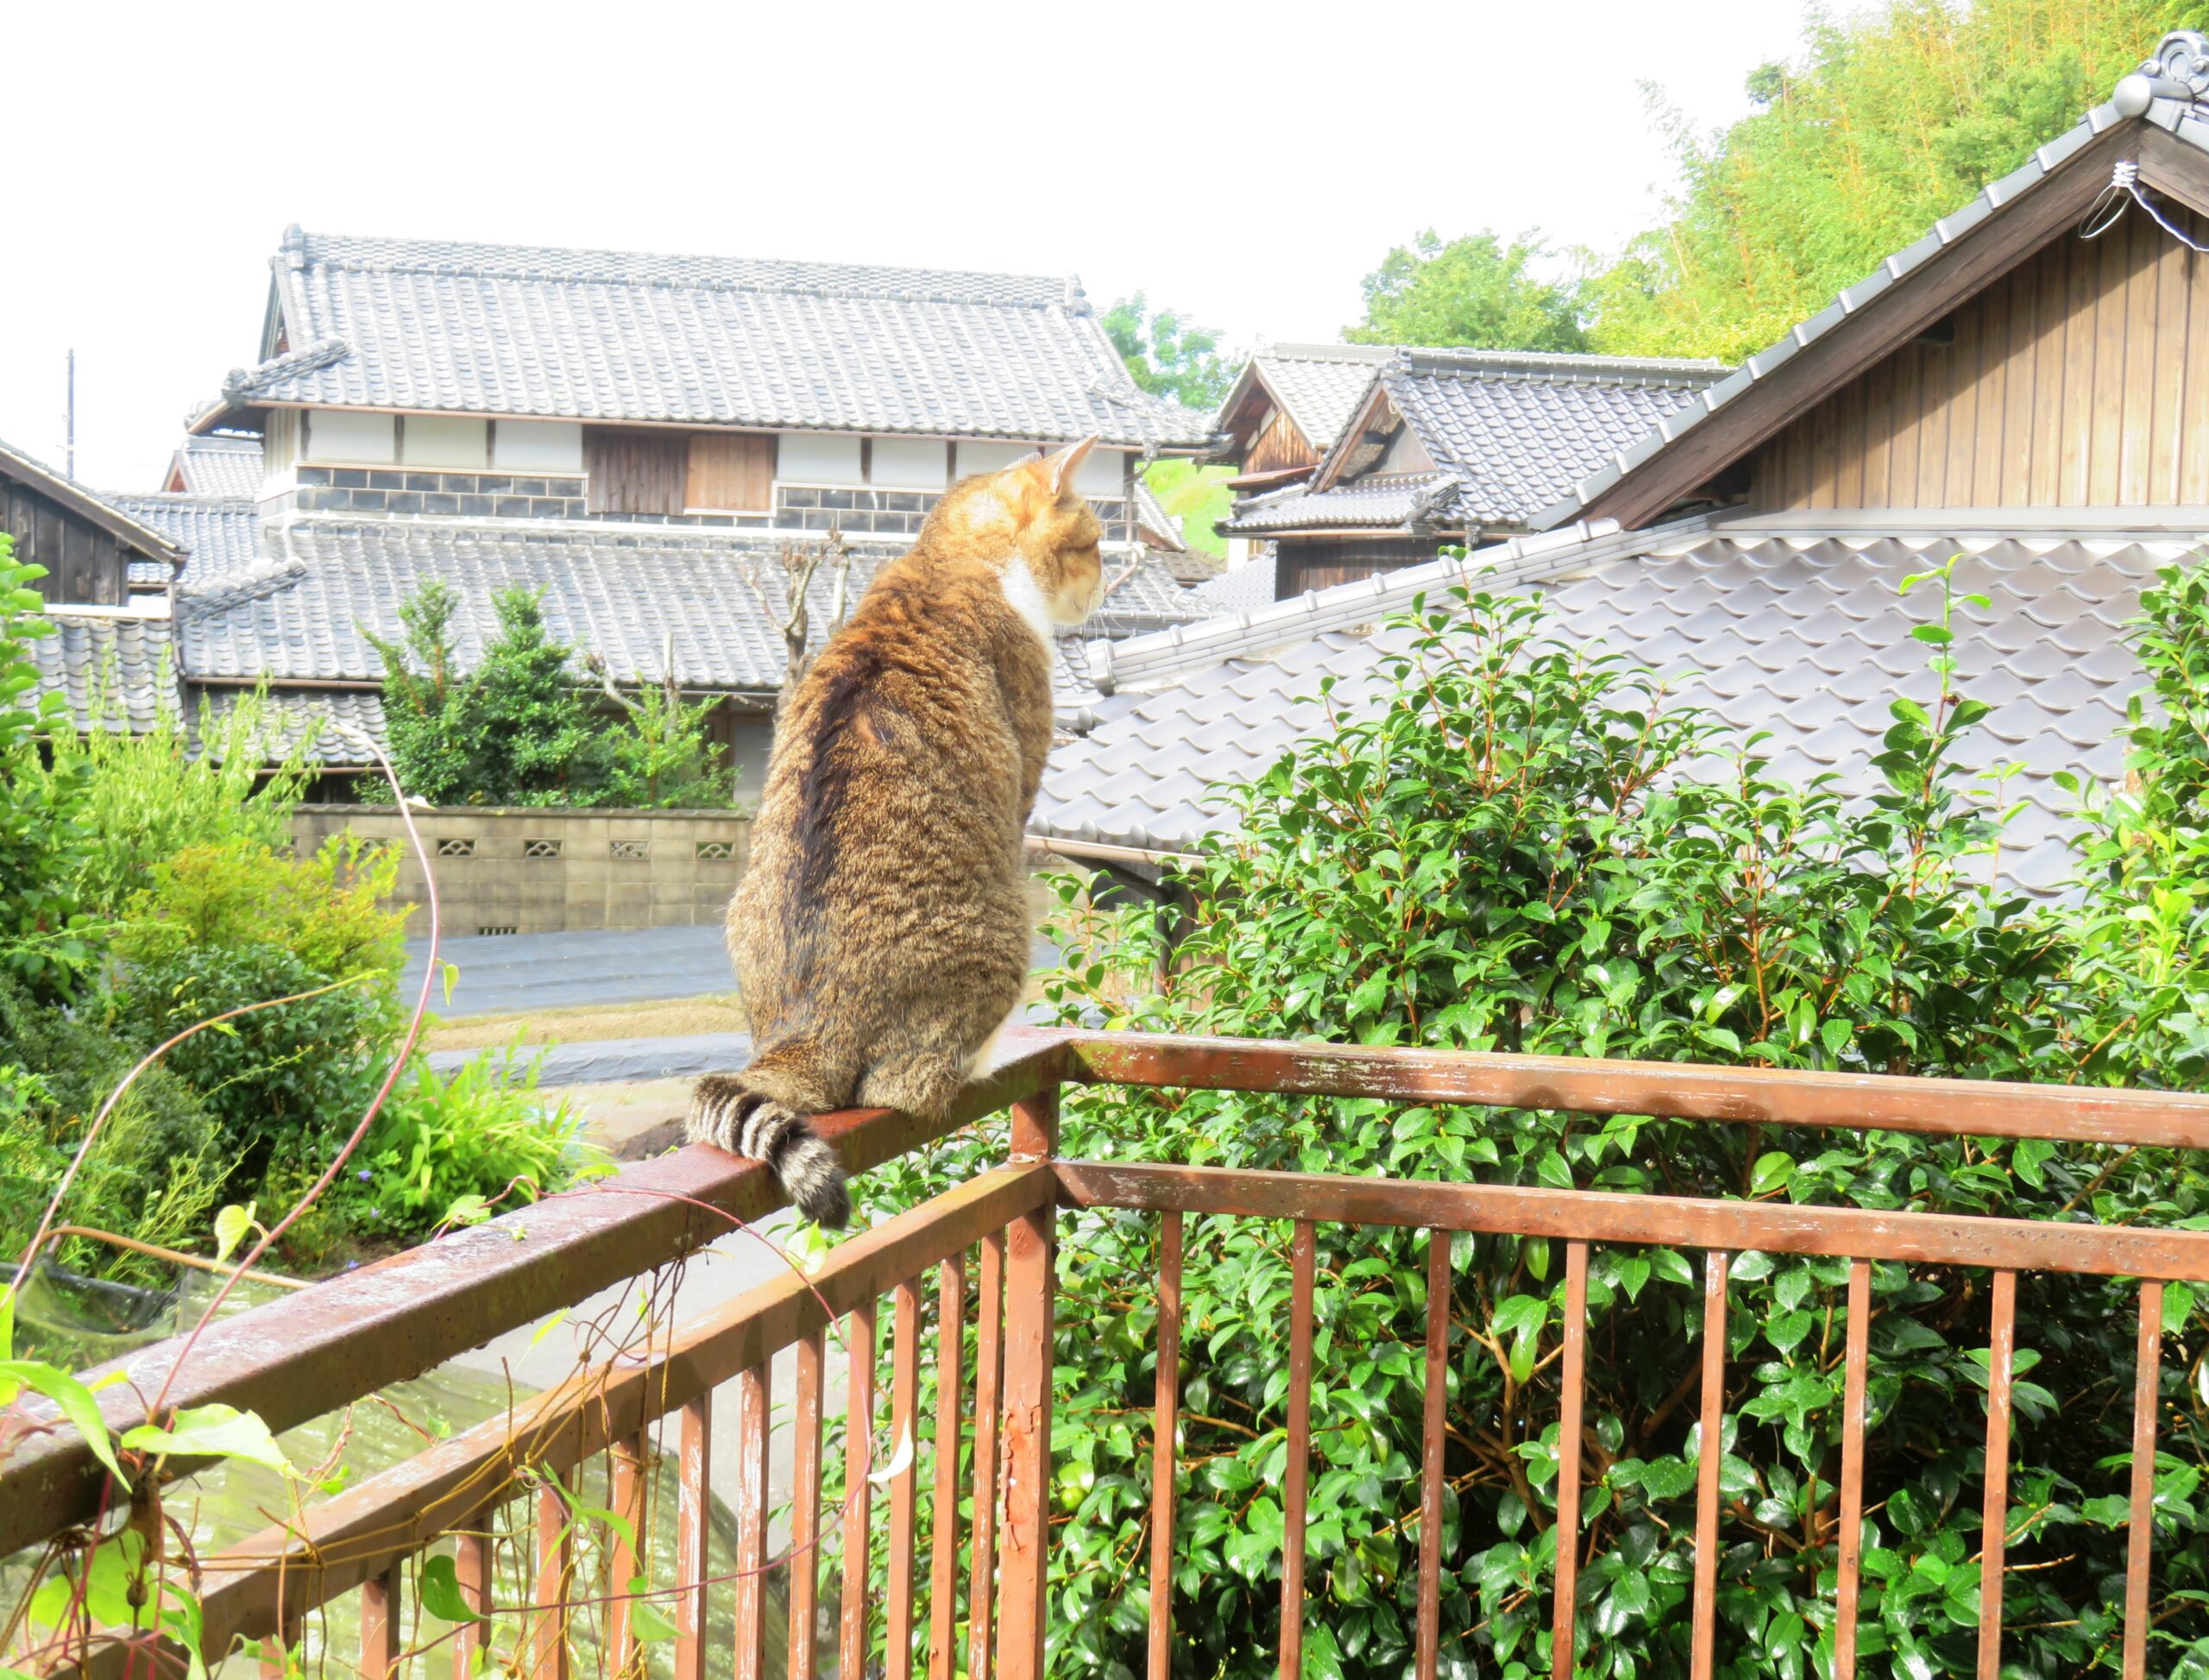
column 155, row 1172
column 456, row 1146
column 226, row 925
column 518, row 728
column 1525, row 847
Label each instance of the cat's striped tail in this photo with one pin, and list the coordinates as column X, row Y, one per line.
column 730, row 1112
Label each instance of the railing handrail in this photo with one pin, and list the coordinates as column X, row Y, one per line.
column 310, row 1353
column 296, row 1359
column 1663, row 1090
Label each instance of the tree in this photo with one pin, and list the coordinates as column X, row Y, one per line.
column 42, row 937
column 1169, row 355
column 515, row 731
column 1476, row 292
column 784, row 586
column 1887, row 123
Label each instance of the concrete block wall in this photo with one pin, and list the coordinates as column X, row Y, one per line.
column 525, row 871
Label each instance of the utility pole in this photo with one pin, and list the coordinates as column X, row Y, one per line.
column 70, row 469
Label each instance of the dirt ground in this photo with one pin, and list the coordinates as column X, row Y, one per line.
column 590, row 1023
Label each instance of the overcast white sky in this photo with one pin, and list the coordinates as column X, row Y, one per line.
column 1244, row 164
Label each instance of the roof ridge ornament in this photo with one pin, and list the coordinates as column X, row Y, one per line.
column 2178, row 69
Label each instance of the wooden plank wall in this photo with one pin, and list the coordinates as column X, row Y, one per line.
column 83, row 564
column 733, row 471
column 635, row 472
column 1310, row 565
column 2079, row 379
column 1279, row 446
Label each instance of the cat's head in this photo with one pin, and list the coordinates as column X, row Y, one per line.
column 1030, row 525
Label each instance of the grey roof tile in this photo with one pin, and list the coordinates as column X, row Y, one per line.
column 118, row 668
column 1510, row 434
column 1319, row 385
column 220, row 535
column 628, row 594
column 1715, row 620
column 624, row 336
column 219, row 466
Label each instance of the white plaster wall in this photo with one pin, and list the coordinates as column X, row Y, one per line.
column 445, row 440
column 989, row 457
column 349, row 435
column 818, row 457
column 909, row 463
column 538, row 446
column 1099, row 473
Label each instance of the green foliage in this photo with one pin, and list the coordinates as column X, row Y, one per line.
column 661, row 756
column 221, row 927
column 2142, row 926
column 1197, row 495
column 518, row 729
column 1168, row 355
column 1511, row 852
column 155, row 1172
column 513, row 731
column 1476, row 291
column 42, row 937
column 461, row 1144
column 1890, row 121
column 149, row 795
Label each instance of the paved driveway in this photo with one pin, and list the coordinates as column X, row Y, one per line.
column 517, row 971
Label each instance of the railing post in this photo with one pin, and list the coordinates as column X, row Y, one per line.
column 1030, row 1283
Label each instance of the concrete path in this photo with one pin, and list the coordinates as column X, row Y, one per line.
column 516, row 972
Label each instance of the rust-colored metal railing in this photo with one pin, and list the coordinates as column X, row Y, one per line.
column 505, row 1490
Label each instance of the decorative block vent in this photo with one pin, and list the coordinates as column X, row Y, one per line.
column 631, row 850
column 455, row 848
column 495, row 932
column 715, row 851
column 541, row 849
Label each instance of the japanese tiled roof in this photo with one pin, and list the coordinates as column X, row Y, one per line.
column 1508, row 434
column 1805, row 635
column 613, row 336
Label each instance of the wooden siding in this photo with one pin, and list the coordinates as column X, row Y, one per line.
column 1279, row 447
column 1302, row 566
column 83, row 564
column 732, row 471
column 2080, row 378
column 635, row 472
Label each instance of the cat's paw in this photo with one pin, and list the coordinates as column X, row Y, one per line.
column 716, row 1111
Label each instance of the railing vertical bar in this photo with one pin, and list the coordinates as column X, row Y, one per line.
column 989, row 1391
column 627, row 1561
column 383, row 1602
column 859, row 1461
column 1164, row 1432
column 2140, row 1537
column 904, row 1483
column 472, row 1572
column 752, row 1402
column 1428, row 1646
column 1711, row 1437
column 1994, row 1518
column 805, row 1507
column 1303, row 1260
column 1575, row 1383
column 693, row 1524
column 943, row 1565
column 1031, row 1261
column 1851, row 1557
column 556, row 1576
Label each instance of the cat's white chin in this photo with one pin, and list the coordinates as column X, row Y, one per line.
column 1047, row 615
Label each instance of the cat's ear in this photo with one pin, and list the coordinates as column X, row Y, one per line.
column 1058, row 470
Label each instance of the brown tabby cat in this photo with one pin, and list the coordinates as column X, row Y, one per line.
column 881, row 931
